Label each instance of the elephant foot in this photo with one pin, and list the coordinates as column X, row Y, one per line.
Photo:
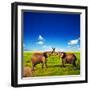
column 63, row 66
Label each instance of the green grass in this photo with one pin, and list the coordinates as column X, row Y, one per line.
column 54, row 66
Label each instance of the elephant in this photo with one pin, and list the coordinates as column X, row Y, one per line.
column 69, row 58
column 38, row 58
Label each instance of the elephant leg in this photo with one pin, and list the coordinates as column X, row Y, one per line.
column 46, row 63
column 33, row 65
column 74, row 64
column 63, row 62
column 42, row 65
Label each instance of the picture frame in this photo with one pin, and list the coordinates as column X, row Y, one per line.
column 20, row 11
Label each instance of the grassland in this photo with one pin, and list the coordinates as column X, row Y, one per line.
column 54, row 66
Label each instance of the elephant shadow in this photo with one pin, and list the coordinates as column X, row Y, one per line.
column 50, row 66
column 60, row 66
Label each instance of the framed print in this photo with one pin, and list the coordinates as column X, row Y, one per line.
column 49, row 44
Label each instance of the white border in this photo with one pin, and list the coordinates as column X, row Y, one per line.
column 82, row 48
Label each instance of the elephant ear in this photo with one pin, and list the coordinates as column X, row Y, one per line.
column 62, row 55
column 45, row 54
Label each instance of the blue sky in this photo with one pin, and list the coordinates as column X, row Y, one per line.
column 42, row 31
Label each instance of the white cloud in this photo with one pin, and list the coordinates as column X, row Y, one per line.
column 40, row 37
column 73, row 42
column 47, row 47
column 59, row 49
column 44, row 46
column 40, row 42
column 73, row 47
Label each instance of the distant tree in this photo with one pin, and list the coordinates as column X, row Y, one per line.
column 53, row 50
